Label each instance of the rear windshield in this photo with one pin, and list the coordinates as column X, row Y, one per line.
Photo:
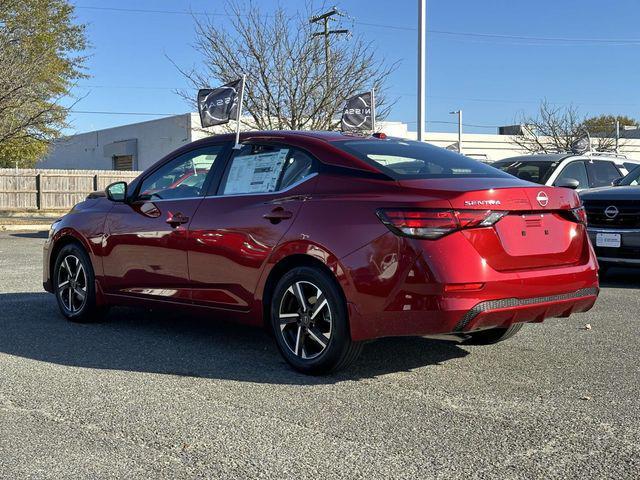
column 532, row 171
column 405, row 159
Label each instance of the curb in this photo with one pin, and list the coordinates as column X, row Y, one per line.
column 16, row 228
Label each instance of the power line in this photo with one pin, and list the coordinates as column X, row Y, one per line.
column 102, row 112
column 93, row 112
column 399, row 94
column 129, row 87
column 479, row 35
column 144, row 10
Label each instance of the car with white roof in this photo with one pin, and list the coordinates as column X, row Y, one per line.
column 570, row 170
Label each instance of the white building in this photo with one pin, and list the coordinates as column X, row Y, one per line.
column 138, row 145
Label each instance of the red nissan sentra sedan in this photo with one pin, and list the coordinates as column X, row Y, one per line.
column 328, row 240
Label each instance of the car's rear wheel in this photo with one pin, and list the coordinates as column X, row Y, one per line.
column 493, row 335
column 74, row 283
column 310, row 322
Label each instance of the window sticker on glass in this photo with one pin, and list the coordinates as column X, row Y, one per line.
column 255, row 173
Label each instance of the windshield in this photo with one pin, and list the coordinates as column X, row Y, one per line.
column 632, row 178
column 406, row 159
column 532, row 171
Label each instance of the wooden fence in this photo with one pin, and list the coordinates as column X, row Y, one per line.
column 44, row 189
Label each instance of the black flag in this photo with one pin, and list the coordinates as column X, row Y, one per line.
column 358, row 113
column 581, row 145
column 219, row 105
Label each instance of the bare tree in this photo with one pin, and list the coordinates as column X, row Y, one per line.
column 555, row 128
column 289, row 86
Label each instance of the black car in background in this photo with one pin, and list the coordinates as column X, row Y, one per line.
column 613, row 215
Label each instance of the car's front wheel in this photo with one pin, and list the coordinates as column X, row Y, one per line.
column 74, row 284
column 310, row 322
column 493, row 335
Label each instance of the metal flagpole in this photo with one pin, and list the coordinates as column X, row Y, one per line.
column 460, row 131
column 373, row 110
column 422, row 47
column 239, row 113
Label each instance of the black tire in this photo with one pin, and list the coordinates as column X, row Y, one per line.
column 82, row 310
column 317, row 341
column 493, row 335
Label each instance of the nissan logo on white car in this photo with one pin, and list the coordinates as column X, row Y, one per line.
column 611, row 211
column 542, row 198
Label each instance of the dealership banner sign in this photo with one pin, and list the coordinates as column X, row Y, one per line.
column 219, row 105
column 359, row 113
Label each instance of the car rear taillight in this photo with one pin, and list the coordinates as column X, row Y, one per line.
column 431, row 223
column 578, row 215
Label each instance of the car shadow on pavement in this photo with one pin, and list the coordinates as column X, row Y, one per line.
column 621, row 278
column 171, row 343
column 36, row 234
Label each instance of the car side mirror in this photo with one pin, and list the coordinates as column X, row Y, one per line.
column 117, row 192
column 617, row 182
column 571, row 183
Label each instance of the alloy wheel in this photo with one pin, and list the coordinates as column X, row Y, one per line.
column 72, row 284
column 305, row 320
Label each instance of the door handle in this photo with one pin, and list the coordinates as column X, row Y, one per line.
column 176, row 219
column 277, row 214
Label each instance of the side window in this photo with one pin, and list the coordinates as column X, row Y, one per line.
column 265, row 169
column 298, row 166
column 576, row 171
column 183, row 177
column 602, row 173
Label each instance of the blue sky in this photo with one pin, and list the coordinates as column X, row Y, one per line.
column 495, row 59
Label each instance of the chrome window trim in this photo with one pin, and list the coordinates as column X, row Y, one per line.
column 159, row 200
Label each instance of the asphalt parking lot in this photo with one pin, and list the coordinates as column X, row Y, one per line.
column 157, row 395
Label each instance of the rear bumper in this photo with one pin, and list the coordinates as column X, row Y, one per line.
column 396, row 289
column 461, row 315
column 628, row 254
column 504, row 312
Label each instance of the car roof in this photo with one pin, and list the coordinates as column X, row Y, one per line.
column 558, row 157
column 320, row 143
column 543, row 157
column 326, row 135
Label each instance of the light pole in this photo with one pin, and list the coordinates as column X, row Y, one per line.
column 422, row 51
column 459, row 113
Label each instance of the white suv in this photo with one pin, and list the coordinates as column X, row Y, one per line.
column 569, row 170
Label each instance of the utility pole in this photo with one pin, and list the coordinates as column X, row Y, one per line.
column 325, row 18
column 422, row 70
column 617, row 134
column 459, row 113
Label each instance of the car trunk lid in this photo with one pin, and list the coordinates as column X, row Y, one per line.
column 538, row 231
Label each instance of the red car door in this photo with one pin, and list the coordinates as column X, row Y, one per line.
column 234, row 231
column 145, row 243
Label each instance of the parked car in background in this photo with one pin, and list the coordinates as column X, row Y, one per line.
column 614, row 221
column 568, row 169
column 328, row 240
